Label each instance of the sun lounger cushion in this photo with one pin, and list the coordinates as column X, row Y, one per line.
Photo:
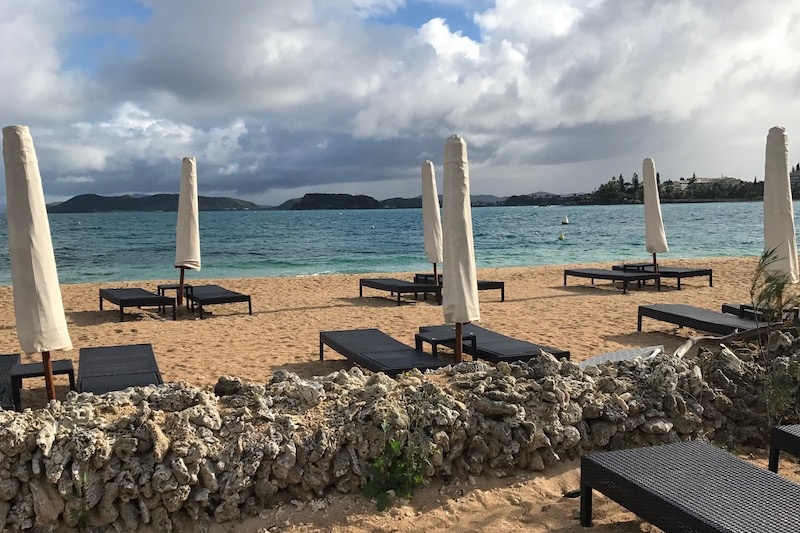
column 377, row 351
column 106, row 368
column 496, row 347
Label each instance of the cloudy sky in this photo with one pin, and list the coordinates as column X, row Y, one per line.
column 278, row 98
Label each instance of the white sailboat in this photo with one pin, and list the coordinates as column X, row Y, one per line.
column 565, row 220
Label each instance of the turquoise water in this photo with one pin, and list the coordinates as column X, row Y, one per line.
column 141, row 246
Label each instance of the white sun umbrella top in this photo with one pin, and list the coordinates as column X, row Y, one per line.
column 779, row 232
column 38, row 308
column 655, row 237
column 187, row 237
column 460, row 282
column 431, row 216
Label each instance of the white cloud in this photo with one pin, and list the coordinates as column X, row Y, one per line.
column 287, row 92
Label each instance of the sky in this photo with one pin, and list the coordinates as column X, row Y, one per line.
column 280, row 98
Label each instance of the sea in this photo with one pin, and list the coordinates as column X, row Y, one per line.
column 130, row 246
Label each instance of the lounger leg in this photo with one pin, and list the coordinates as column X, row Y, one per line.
column 200, row 306
column 502, row 293
column 71, row 374
column 679, row 283
column 711, row 280
column 174, row 311
column 360, row 290
column 101, row 303
column 586, row 505
column 121, row 314
column 565, row 279
column 639, row 322
column 320, row 347
column 774, row 454
column 250, row 306
column 625, row 287
column 398, row 298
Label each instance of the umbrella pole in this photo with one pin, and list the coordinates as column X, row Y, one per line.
column 48, row 376
column 435, row 277
column 458, row 348
column 180, row 287
column 655, row 264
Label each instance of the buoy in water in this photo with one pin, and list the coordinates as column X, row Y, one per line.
column 560, row 236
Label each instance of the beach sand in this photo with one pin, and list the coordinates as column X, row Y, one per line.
column 283, row 332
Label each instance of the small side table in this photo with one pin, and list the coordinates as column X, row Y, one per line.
column 36, row 370
column 164, row 287
column 435, row 338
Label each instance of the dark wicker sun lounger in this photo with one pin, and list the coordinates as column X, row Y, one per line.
column 135, row 297
column 399, row 286
column 749, row 312
column 483, row 285
column 377, row 351
column 6, row 363
column 783, row 438
column 108, row 368
column 692, row 487
column 496, row 347
column 696, row 318
column 613, row 275
column 201, row 295
column 668, row 272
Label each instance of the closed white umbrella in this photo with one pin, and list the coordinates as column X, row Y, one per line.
column 38, row 308
column 654, row 235
column 431, row 217
column 187, row 235
column 460, row 282
column 779, row 231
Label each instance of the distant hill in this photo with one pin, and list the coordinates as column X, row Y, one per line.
column 331, row 201
column 93, row 203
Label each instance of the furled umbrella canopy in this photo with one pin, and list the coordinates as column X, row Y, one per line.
column 779, row 231
column 431, row 217
column 187, row 236
column 655, row 237
column 38, row 308
column 460, row 281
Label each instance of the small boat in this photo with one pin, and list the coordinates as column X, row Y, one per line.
column 565, row 220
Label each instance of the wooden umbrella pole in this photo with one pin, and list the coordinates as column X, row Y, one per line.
column 458, row 348
column 435, row 277
column 48, row 376
column 180, row 287
column 655, row 264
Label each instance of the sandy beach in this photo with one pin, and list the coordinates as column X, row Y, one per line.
column 283, row 332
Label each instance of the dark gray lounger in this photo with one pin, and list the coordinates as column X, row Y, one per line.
column 496, row 347
column 785, row 438
column 613, row 275
column 201, row 295
column 668, row 271
column 483, row 285
column 399, row 286
column 6, row 362
column 692, row 487
column 135, row 297
column 377, row 351
column 108, row 368
column 696, row 318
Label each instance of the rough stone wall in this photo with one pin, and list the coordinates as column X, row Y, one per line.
column 177, row 457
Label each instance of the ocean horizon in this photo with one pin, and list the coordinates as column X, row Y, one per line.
column 132, row 246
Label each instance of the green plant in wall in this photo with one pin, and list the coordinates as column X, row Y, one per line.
column 775, row 300
column 398, row 469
